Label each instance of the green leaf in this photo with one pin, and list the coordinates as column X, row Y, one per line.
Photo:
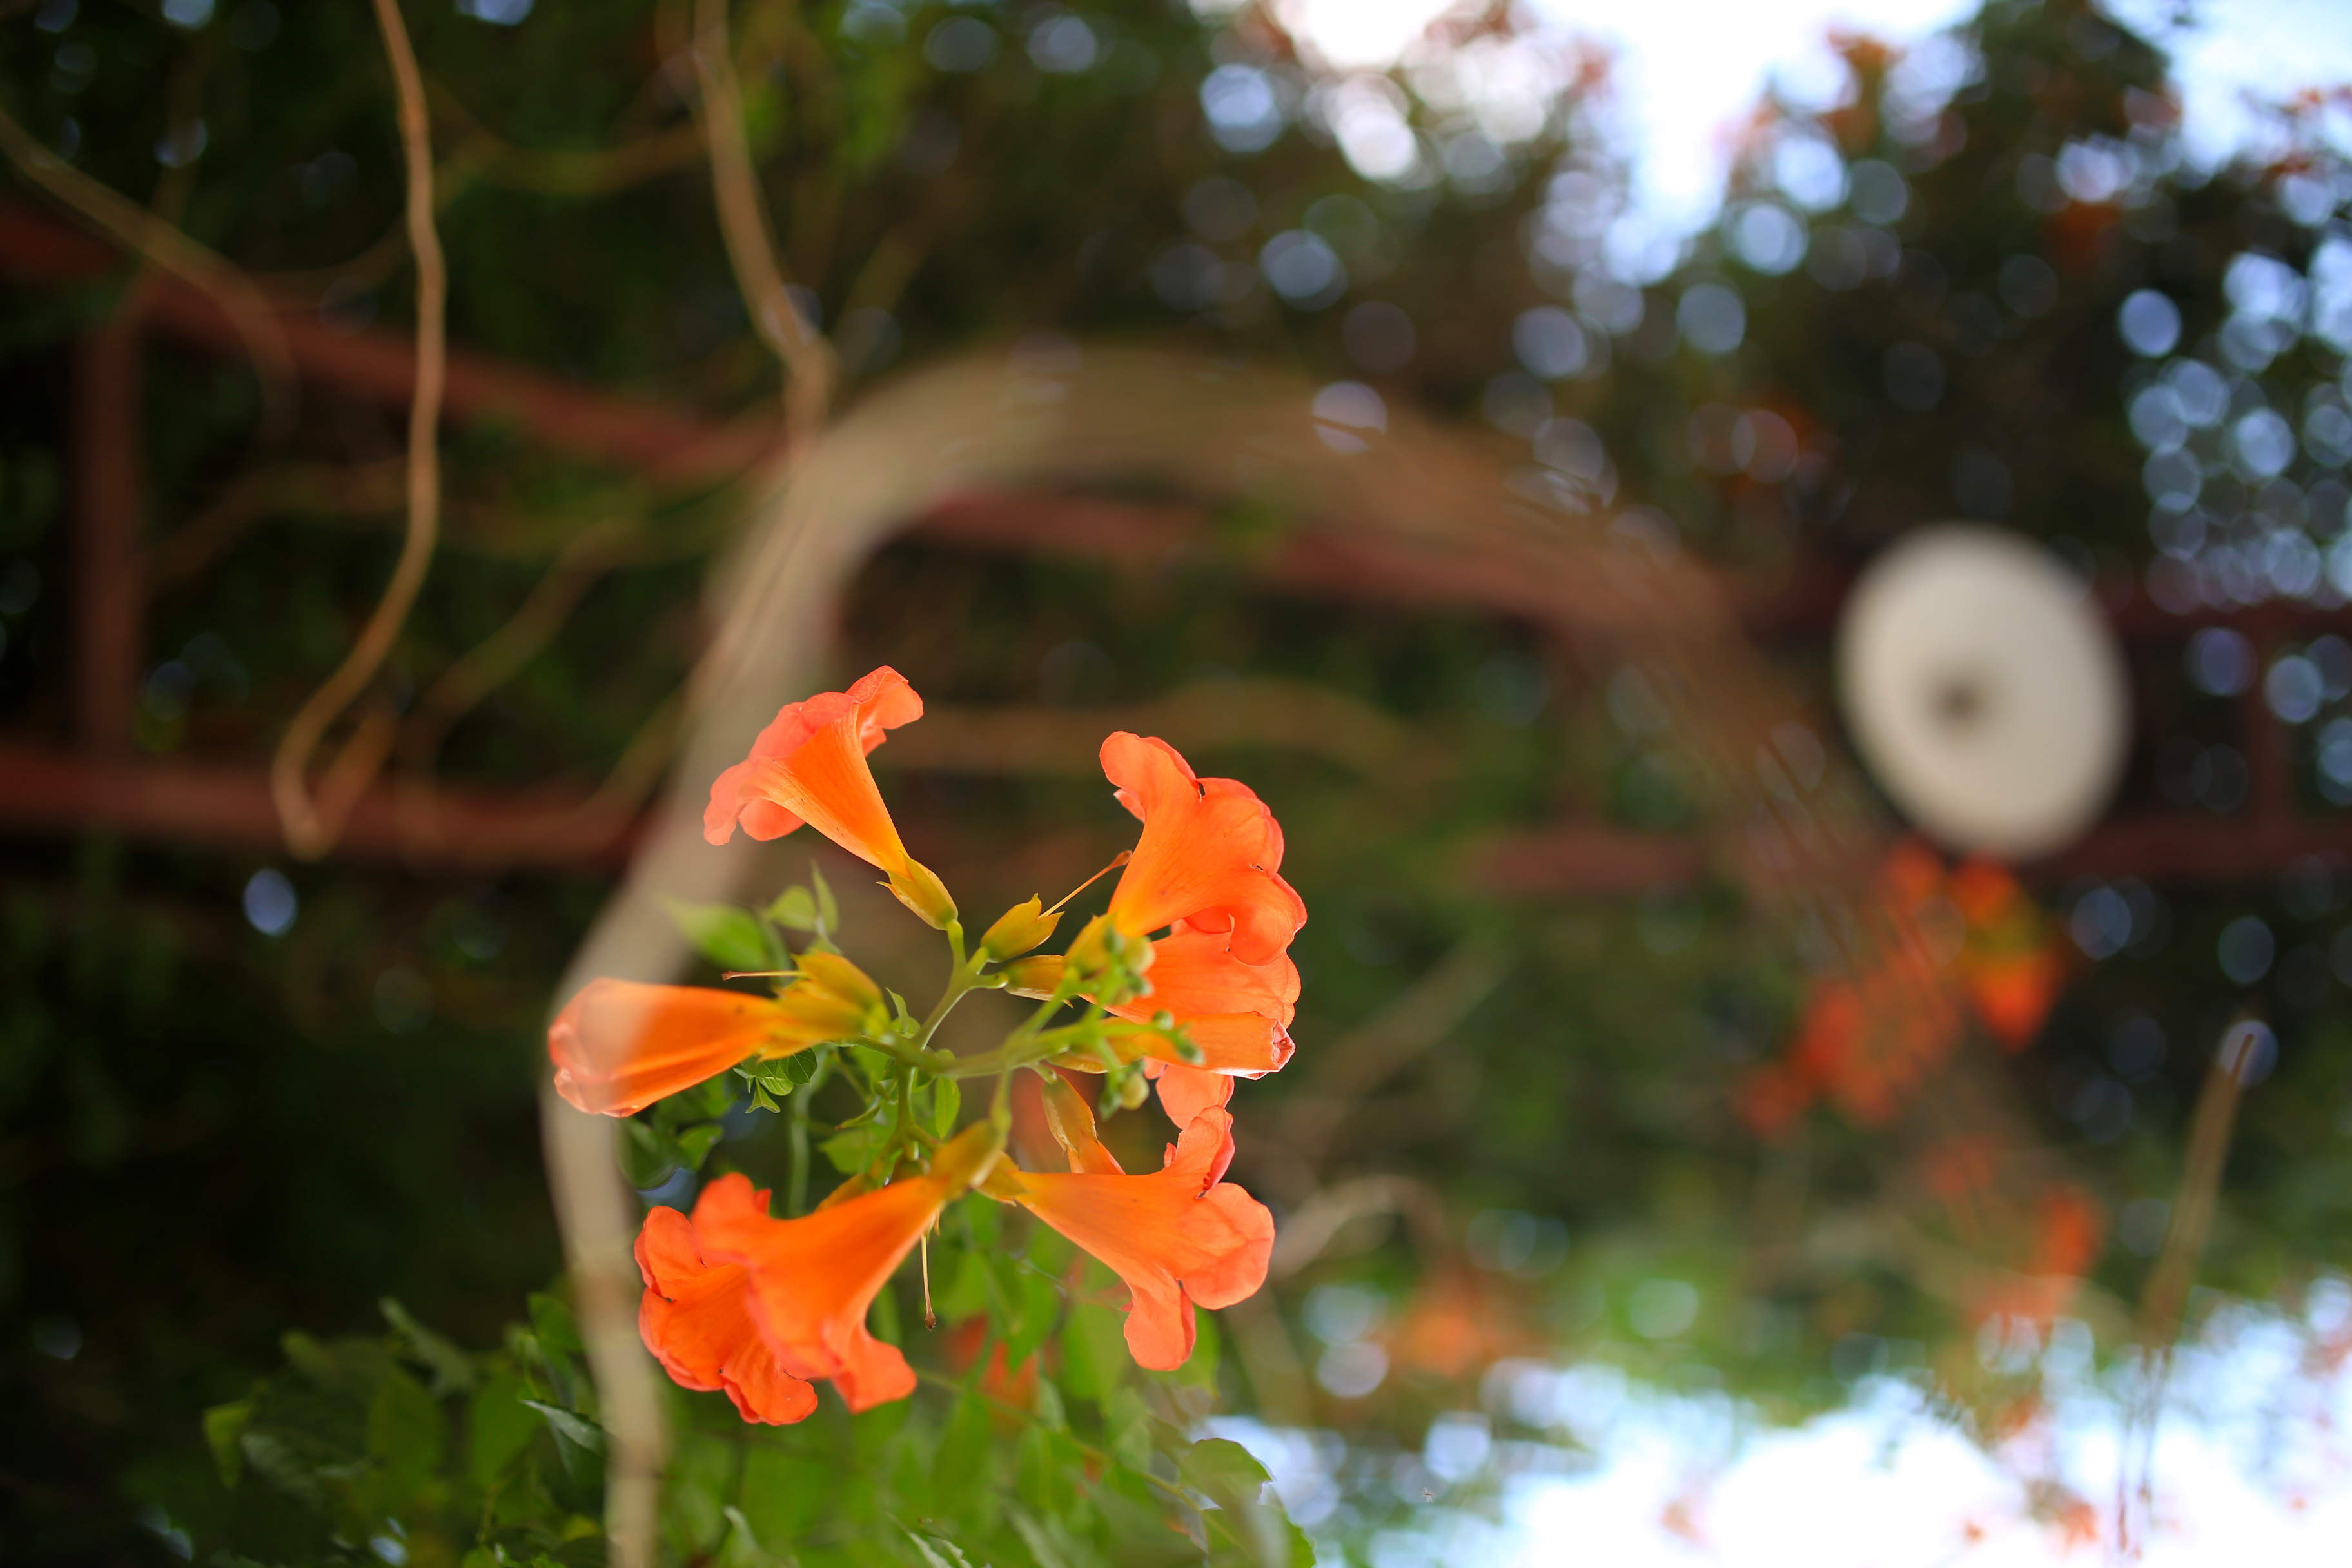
column 501, row 1426
column 695, row 1144
column 1128, row 1421
column 1142, row 1533
column 961, row 1463
column 1094, row 1351
column 705, row 1101
column 552, row 1320
column 1038, row 1300
column 404, row 1435
column 784, row 1493
column 727, row 936
column 577, row 1439
column 648, row 1156
column 1230, row 1476
column 1222, row 1469
column 453, row 1370
column 225, row 1425
column 947, row 1104
column 1043, row 1465
column 936, row 1551
column 966, row 1288
column 828, row 911
column 795, row 909
column 850, row 1151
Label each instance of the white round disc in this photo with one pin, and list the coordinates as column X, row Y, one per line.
column 1983, row 689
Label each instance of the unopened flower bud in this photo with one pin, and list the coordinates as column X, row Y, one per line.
column 1039, row 977
column 1133, row 1089
column 832, row 972
column 1019, row 928
column 918, row 888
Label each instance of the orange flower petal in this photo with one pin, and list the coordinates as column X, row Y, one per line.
column 1210, row 853
column 1233, row 1010
column 1178, row 1236
column 1247, row 1044
column 619, row 1045
column 1186, row 1091
column 1194, row 974
column 696, row 1319
column 812, row 1280
column 809, row 764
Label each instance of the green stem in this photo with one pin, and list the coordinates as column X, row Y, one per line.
column 796, row 1190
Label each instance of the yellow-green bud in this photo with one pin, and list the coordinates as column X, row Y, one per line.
column 1019, row 928
column 1133, row 1089
column 834, row 974
column 1039, row 977
column 918, row 888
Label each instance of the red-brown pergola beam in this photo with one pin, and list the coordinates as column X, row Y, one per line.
column 42, row 788
column 380, row 365
column 229, row 806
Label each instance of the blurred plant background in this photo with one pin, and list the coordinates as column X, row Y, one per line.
column 1541, row 1117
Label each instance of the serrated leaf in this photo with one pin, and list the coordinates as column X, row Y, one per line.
column 727, row 936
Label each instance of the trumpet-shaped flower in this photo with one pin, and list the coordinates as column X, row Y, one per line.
column 1178, row 1236
column 1185, row 1092
column 811, row 1281
column 696, row 1318
column 1233, row 1013
column 809, row 765
column 1209, row 854
column 619, row 1045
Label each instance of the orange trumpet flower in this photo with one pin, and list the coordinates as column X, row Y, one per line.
column 696, row 1318
column 1178, row 1236
column 811, row 1281
column 809, row 765
column 1234, row 1012
column 620, row 1044
column 1209, row 854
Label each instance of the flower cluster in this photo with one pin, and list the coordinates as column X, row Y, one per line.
column 1952, row 942
column 1184, row 981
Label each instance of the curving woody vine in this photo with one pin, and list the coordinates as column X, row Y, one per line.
column 1185, row 979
